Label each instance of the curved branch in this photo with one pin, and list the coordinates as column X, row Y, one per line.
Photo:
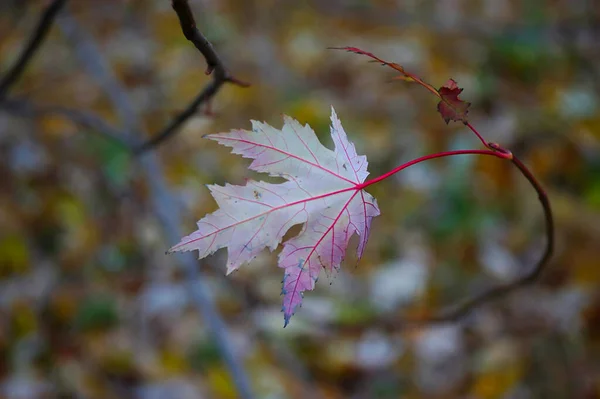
column 461, row 310
column 457, row 312
column 37, row 38
column 213, row 64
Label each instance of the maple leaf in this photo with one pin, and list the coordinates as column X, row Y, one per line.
column 323, row 191
column 451, row 107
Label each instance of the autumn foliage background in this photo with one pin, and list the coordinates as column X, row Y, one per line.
column 90, row 305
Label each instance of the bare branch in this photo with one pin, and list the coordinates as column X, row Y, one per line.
column 214, row 66
column 457, row 312
column 209, row 91
column 35, row 41
column 191, row 32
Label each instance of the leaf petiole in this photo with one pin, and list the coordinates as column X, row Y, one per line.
column 493, row 152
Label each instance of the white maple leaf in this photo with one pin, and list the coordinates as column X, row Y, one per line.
column 323, row 190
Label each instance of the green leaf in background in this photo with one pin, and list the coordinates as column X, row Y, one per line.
column 115, row 159
column 97, row 313
column 204, row 354
column 353, row 313
column 519, row 54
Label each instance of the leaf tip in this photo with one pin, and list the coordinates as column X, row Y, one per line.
column 171, row 250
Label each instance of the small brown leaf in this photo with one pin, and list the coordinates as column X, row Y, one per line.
column 451, row 107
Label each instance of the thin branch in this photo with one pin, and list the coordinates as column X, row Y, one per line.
column 457, row 312
column 210, row 90
column 35, row 41
column 214, row 66
column 191, row 32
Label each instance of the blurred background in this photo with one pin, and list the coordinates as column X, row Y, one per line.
column 91, row 307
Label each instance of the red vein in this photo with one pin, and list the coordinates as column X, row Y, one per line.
column 302, row 141
column 302, row 201
column 316, row 165
column 348, row 157
column 243, row 199
column 314, row 247
column 427, row 157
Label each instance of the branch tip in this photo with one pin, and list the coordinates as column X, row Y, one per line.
column 237, row 82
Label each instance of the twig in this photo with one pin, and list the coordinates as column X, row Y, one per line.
column 173, row 126
column 166, row 209
column 40, row 33
column 214, row 66
column 191, row 32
